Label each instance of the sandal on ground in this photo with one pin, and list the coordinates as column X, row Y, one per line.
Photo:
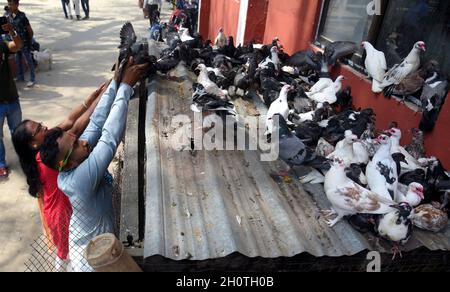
column 4, row 172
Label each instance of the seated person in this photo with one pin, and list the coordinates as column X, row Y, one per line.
column 83, row 164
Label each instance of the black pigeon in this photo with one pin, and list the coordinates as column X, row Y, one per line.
column 337, row 50
column 304, row 59
column 205, row 102
column 127, row 40
column 130, row 48
column 399, row 158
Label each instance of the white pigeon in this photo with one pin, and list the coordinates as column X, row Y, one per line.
column 314, row 178
column 410, row 65
column 349, row 198
column 273, row 58
column 279, row 106
column 184, row 35
column 376, row 66
column 412, row 163
column 361, row 155
column 221, row 39
column 344, row 149
column 381, row 172
column 325, row 90
column 210, row 87
column 412, row 194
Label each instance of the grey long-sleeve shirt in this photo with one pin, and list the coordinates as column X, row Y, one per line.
column 87, row 186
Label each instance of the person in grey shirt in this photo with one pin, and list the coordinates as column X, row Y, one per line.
column 83, row 165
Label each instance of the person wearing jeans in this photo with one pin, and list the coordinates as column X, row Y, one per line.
column 22, row 26
column 65, row 3
column 85, row 6
column 9, row 97
column 13, row 114
column 20, row 55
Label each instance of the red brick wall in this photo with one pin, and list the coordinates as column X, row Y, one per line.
column 219, row 13
column 256, row 21
column 293, row 21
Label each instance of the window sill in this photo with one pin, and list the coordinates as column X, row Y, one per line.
column 358, row 72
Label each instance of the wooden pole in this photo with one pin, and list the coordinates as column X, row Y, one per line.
column 105, row 253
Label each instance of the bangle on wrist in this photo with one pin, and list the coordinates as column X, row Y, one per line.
column 85, row 105
column 13, row 35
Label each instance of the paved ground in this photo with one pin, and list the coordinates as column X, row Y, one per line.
column 83, row 54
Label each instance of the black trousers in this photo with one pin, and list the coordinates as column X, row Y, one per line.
column 85, row 6
column 153, row 13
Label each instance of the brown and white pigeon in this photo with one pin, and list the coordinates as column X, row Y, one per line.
column 409, row 65
column 416, row 148
column 429, row 218
column 349, row 198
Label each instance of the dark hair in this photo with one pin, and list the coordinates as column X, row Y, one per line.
column 22, row 139
column 14, row 1
column 50, row 149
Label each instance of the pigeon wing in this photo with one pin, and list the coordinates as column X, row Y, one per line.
column 127, row 36
column 337, row 50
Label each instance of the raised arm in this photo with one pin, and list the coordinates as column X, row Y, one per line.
column 79, row 111
column 100, row 158
column 98, row 118
column 82, row 122
column 16, row 43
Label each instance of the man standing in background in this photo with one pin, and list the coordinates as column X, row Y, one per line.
column 22, row 26
column 153, row 6
column 9, row 97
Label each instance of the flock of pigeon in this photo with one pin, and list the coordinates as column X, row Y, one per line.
column 368, row 176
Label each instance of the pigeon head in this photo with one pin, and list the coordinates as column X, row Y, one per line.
column 383, row 140
column 338, row 163
column 418, row 134
column 274, row 50
column 404, row 211
column 399, row 157
column 350, row 137
column 221, row 30
column 421, row 46
column 396, row 133
column 340, row 78
column 287, row 88
column 417, row 189
column 366, row 45
column 201, row 67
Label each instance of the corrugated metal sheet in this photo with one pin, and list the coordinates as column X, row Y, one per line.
column 216, row 203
